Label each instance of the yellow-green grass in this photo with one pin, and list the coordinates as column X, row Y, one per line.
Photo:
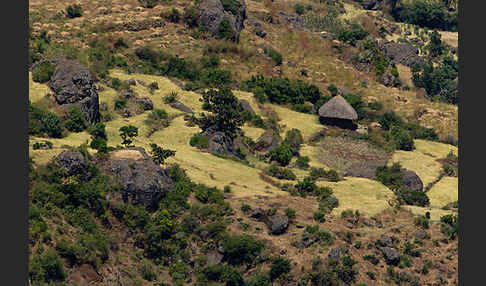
column 436, row 149
column 368, row 196
column 423, row 160
column 37, row 90
column 308, row 124
column 252, row 132
column 311, row 152
column 443, row 192
column 435, row 213
column 248, row 96
column 426, row 167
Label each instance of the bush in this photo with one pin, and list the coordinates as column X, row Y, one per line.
column 299, row 8
column 47, row 267
column 390, row 176
column 171, row 97
column 352, row 35
column 148, row 3
column 52, row 125
column 225, row 31
column 73, row 11
column 224, row 273
column 199, row 141
column 280, row 266
column 429, row 14
column 190, row 16
column 303, row 162
column 274, row 55
column 43, row 71
column 39, row 145
column 120, row 103
column 281, row 154
column 241, row 249
column 173, row 15
column 159, row 154
column 76, row 121
column 290, row 213
column 127, row 133
column 97, row 130
column 303, row 108
column 449, row 226
column 280, row 173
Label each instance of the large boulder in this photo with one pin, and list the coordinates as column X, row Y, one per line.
column 180, row 106
column 220, row 143
column 277, row 224
column 73, row 163
column 212, row 12
column 145, row 102
column 246, row 106
column 412, row 180
column 370, row 4
column 141, row 181
column 73, row 84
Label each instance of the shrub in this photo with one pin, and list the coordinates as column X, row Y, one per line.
column 449, row 226
column 241, row 249
column 157, row 119
column 280, row 173
column 43, row 71
column 199, row 141
column 73, row 11
column 280, row 266
column 171, row 97
column 417, row 198
column 274, row 55
column 402, row 138
column 153, row 86
column 299, row 8
column 174, row 16
column 303, row 162
column 127, row 133
column 159, row 154
column 147, row 271
column 231, row 6
column 294, row 139
column 52, row 125
column 224, row 273
column 319, row 217
column 281, row 154
column 354, row 34
column 99, row 144
column 120, row 103
column 290, row 213
column 190, row 16
column 39, row 145
column 47, row 267
column 148, row 3
column 225, row 31
column 97, row 130
column 390, row 176
column 430, row 14
column 76, row 121
column 303, row 108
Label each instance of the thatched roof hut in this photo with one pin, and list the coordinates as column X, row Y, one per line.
column 339, row 108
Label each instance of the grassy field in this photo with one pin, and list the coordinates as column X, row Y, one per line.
column 444, row 192
column 368, row 196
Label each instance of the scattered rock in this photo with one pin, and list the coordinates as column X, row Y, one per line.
column 267, row 141
column 246, row 106
column 334, row 253
column 257, row 213
column 421, row 234
column 391, row 255
column 385, row 241
column 145, row 102
column 213, row 258
column 401, row 53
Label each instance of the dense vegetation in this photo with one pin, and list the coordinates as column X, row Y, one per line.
column 430, row 14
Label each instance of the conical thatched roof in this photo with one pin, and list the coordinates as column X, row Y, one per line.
column 338, row 107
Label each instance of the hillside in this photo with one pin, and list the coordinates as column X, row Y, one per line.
column 251, row 186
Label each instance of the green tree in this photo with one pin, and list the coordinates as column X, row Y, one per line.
column 282, row 154
column 159, row 154
column 436, row 47
column 280, row 266
column 76, row 121
column 127, row 133
column 227, row 113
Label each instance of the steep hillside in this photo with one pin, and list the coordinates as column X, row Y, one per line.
column 210, row 163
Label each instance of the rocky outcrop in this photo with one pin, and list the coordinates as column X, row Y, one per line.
column 220, row 143
column 145, row 102
column 141, row 181
column 246, row 106
column 73, row 163
column 213, row 12
column 73, row 84
column 257, row 27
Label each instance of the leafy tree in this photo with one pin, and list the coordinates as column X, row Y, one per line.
column 43, row 72
column 159, row 154
column 190, row 16
column 436, row 47
column 226, row 112
column 225, row 31
column 127, row 133
column 52, row 125
column 97, row 130
column 242, row 249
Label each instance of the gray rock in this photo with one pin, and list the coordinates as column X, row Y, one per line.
column 258, row 213
column 220, row 143
column 246, row 106
column 267, row 141
column 291, row 64
column 73, row 84
column 385, row 241
column 145, row 102
column 180, row 106
column 212, row 12
column 421, row 234
column 127, row 93
column 213, row 258
column 388, row 79
column 73, row 163
column 370, row 4
column 277, row 224
column 391, row 255
column 204, row 235
column 412, row 180
column 334, row 253
column 141, row 181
